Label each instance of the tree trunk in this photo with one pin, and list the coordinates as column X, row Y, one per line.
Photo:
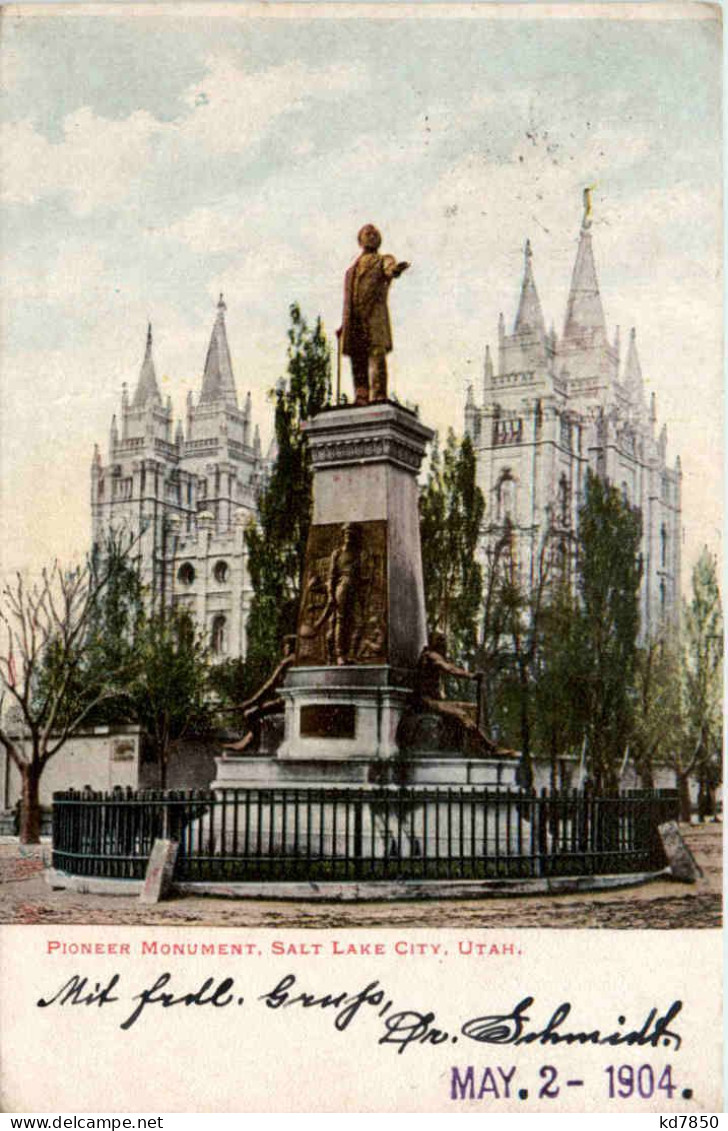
column 554, row 759
column 526, row 764
column 683, row 789
column 30, row 815
column 524, row 691
column 484, row 695
column 703, row 794
column 647, row 777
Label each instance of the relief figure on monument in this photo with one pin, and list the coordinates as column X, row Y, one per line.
column 343, row 610
column 344, row 587
column 366, row 332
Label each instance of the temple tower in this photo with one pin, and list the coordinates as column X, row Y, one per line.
column 186, row 492
column 557, row 406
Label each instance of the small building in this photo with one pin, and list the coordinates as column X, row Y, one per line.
column 102, row 758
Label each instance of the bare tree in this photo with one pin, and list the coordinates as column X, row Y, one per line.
column 492, row 645
column 46, row 632
column 511, row 626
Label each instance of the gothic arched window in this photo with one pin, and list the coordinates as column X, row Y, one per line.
column 663, row 546
column 186, row 573
column 185, row 627
column 221, row 572
column 562, row 559
column 506, row 497
column 218, row 635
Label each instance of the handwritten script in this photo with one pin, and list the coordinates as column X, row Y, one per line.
column 525, row 1024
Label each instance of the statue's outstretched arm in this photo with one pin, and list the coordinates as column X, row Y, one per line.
column 451, row 669
column 265, row 688
column 393, row 269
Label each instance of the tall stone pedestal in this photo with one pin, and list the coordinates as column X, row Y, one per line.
column 362, row 623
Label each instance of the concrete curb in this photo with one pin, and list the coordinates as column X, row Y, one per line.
column 363, row 892
column 92, row 885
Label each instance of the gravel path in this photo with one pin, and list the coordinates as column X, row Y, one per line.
column 25, row 897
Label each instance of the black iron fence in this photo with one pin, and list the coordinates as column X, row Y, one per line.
column 382, row 833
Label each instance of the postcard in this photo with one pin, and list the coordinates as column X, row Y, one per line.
column 360, row 619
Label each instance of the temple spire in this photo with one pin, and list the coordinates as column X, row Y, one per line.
column 147, row 388
column 218, row 383
column 530, row 317
column 633, row 369
column 584, row 312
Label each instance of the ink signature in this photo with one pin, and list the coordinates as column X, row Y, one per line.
column 397, row 1026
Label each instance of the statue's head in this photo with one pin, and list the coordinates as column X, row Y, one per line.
column 350, row 537
column 369, row 238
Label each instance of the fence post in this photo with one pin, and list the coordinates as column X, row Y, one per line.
column 543, row 822
column 358, row 836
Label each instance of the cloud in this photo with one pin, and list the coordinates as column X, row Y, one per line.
column 104, row 162
column 64, row 277
column 232, row 108
column 95, row 164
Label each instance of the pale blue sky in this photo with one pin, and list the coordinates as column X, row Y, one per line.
column 151, row 160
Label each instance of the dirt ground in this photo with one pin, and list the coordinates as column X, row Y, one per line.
column 25, row 897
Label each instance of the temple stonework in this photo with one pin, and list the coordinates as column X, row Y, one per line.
column 187, row 492
column 553, row 407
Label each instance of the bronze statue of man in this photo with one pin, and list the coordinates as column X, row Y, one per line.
column 266, row 700
column 366, row 334
column 432, row 665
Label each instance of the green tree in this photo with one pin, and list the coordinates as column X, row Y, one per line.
column 277, row 543
column 609, row 571
column 702, row 679
column 557, row 703
column 451, row 515
column 231, row 681
column 168, row 694
column 659, row 719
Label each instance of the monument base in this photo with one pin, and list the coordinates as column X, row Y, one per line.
column 343, row 713
column 251, row 772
